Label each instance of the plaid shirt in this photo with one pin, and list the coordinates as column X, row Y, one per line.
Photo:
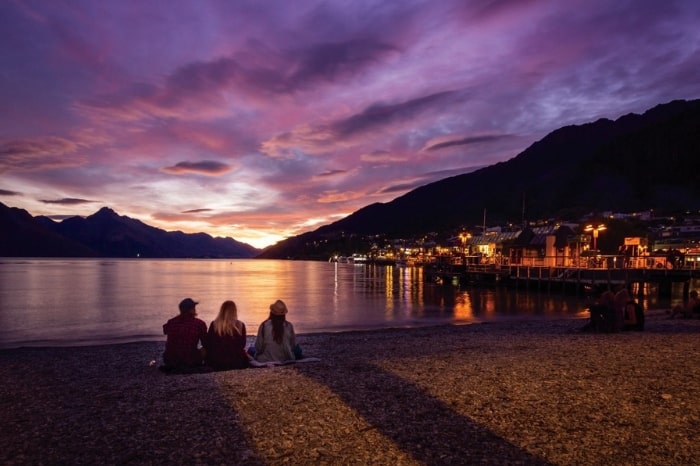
column 184, row 333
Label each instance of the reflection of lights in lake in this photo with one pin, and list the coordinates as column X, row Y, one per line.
column 488, row 306
column 335, row 280
column 388, row 294
column 463, row 307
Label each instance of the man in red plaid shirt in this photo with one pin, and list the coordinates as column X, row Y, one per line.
column 185, row 335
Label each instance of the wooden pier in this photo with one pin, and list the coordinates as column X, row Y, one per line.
column 565, row 279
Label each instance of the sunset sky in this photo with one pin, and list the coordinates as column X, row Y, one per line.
column 261, row 120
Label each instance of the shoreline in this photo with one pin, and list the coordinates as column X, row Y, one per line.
column 160, row 338
column 526, row 392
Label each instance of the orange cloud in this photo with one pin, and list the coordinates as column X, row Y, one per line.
column 381, row 156
column 339, row 196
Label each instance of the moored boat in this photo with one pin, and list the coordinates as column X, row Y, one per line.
column 357, row 259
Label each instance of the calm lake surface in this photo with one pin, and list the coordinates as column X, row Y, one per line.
column 61, row 302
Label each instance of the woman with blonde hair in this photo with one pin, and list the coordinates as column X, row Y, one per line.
column 226, row 340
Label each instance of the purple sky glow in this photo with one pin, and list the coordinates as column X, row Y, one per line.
column 261, row 120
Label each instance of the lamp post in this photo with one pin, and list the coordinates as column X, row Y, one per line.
column 595, row 230
column 464, row 237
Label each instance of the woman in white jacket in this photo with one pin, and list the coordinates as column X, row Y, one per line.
column 276, row 340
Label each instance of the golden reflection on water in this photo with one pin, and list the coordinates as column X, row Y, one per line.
column 463, row 307
column 59, row 299
column 388, row 294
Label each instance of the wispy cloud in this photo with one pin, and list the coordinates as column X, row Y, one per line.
column 5, row 192
column 196, row 211
column 38, row 154
column 380, row 114
column 68, row 201
column 465, row 141
column 205, row 167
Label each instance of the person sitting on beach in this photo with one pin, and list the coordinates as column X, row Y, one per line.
column 602, row 314
column 634, row 315
column 184, row 334
column 226, row 340
column 692, row 307
column 622, row 319
column 276, row 340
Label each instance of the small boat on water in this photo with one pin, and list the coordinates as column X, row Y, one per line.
column 354, row 259
column 357, row 259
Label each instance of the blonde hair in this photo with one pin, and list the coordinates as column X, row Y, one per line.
column 227, row 323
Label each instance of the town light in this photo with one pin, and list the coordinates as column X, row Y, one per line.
column 595, row 230
column 464, row 237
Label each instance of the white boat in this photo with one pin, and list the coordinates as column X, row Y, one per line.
column 357, row 259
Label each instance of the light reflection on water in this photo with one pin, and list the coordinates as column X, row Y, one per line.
column 57, row 302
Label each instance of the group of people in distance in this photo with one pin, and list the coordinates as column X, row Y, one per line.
column 690, row 309
column 615, row 312
column 190, row 346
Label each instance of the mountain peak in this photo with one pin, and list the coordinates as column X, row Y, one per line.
column 105, row 211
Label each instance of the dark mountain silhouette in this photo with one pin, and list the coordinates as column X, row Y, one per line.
column 22, row 235
column 106, row 234
column 637, row 162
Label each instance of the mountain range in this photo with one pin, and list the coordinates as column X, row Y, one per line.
column 637, row 162
column 106, row 234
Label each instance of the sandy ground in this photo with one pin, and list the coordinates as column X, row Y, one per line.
column 532, row 392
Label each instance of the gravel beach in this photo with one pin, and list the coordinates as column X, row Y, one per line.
column 530, row 392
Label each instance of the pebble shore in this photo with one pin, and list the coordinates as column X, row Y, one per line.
column 530, row 392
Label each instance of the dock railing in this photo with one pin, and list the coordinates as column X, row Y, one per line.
column 596, row 262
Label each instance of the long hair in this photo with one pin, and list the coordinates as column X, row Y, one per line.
column 227, row 323
column 277, row 327
column 608, row 298
column 622, row 297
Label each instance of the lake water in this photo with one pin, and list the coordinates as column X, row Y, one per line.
column 60, row 302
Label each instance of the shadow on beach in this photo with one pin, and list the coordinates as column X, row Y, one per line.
column 107, row 405
column 417, row 422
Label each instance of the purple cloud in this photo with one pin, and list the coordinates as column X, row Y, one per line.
column 331, row 173
column 205, row 167
column 333, row 61
column 466, row 141
column 196, row 211
column 382, row 114
column 5, row 192
column 67, row 201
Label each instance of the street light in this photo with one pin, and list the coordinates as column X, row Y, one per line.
column 595, row 231
column 464, row 237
